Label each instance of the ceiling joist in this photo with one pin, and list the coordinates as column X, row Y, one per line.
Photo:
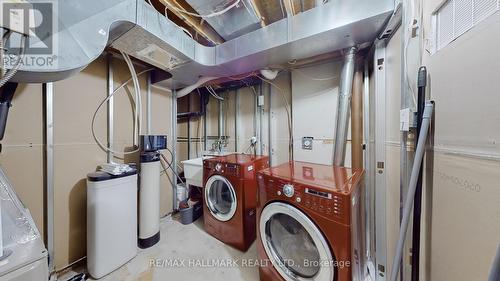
column 198, row 25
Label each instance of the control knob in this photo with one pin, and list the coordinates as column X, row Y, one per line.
column 288, row 190
column 218, row 167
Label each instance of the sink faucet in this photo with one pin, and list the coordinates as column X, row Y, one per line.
column 219, row 144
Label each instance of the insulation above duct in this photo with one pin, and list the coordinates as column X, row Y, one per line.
column 86, row 28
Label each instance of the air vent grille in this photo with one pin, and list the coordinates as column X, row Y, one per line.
column 455, row 17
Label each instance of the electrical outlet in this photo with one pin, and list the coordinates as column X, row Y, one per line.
column 307, row 143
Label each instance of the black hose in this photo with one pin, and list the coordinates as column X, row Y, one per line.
column 6, row 96
column 79, row 277
column 417, row 204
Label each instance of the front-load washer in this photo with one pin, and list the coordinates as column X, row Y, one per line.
column 310, row 223
column 230, row 198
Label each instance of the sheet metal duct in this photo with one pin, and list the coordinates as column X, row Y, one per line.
column 86, row 28
column 344, row 107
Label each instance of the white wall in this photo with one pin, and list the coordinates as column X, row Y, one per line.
column 464, row 197
column 75, row 151
column 460, row 229
column 315, row 99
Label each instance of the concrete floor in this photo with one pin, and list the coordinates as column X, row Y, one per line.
column 190, row 245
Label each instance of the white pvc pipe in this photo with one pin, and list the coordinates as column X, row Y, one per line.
column 419, row 155
column 495, row 270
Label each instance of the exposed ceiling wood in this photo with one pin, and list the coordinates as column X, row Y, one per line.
column 300, row 6
column 289, row 7
column 271, row 10
column 258, row 11
column 309, row 4
column 197, row 24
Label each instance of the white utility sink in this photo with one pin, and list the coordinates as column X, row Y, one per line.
column 193, row 171
column 193, row 168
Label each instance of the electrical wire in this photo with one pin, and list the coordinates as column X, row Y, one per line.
column 165, row 169
column 211, row 90
column 100, row 106
column 172, row 168
column 214, row 14
column 251, row 74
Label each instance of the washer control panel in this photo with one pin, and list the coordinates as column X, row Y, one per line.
column 225, row 168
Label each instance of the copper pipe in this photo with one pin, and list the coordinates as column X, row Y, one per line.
column 357, row 118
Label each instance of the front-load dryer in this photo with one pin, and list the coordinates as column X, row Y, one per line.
column 230, row 198
column 310, row 223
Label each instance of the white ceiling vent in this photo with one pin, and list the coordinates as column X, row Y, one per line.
column 455, row 17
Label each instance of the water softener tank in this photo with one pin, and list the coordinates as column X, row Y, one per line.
column 149, row 199
column 111, row 221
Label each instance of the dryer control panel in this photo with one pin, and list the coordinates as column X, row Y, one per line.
column 326, row 202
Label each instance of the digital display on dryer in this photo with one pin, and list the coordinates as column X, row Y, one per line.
column 318, row 193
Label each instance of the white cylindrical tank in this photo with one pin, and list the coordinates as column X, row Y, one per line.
column 149, row 200
column 111, row 221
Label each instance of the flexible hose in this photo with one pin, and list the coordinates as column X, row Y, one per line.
column 138, row 100
column 13, row 71
column 104, row 147
column 408, row 206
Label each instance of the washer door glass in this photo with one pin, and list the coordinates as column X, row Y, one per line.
column 294, row 244
column 220, row 198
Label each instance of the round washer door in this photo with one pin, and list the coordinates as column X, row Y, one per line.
column 294, row 244
column 220, row 198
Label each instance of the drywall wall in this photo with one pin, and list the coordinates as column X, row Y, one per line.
column 464, row 197
column 22, row 149
column 75, row 152
column 312, row 87
column 461, row 203
column 242, row 119
column 315, row 100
